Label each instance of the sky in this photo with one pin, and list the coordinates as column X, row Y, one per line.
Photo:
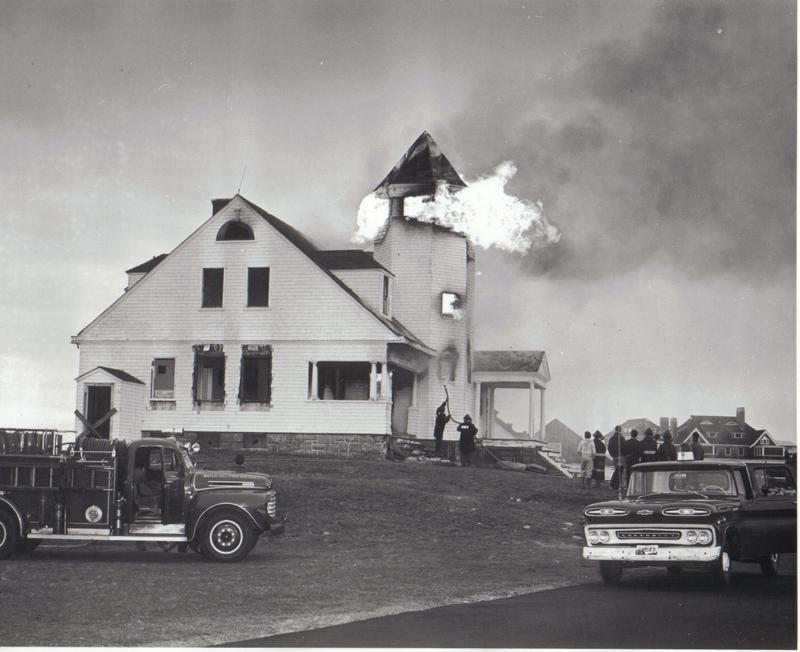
column 659, row 136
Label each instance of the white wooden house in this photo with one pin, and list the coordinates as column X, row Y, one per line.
column 247, row 334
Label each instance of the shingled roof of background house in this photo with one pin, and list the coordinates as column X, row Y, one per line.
column 725, row 429
column 528, row 361
column 423, row 166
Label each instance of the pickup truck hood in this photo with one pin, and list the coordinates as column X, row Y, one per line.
column 650, row 510
column 230, row 480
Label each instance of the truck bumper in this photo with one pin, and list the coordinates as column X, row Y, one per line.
column 661, row 554
column 277, row 526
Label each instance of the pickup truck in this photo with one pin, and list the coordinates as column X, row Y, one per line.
column 699, row 515
column 146, row 490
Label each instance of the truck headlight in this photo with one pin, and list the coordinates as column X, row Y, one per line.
column 691, row 536
column 594, row 537
column 604, row 536
column 704, row 537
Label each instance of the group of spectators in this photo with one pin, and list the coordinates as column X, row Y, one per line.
column 625, row 453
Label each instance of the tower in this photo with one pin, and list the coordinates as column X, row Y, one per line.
column 433, row 290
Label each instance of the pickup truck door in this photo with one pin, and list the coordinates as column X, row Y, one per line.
column 769, row 521
column 173, row 483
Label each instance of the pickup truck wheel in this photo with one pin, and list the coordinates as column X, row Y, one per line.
column 227, row 536
column 611, row 572
column 27, row 545
column 8, row 535
column 769, row 565
column 721, row 568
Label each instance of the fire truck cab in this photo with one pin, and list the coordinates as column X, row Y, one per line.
column 147, row 490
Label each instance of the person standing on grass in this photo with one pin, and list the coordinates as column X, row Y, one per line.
column 615, row 444
column 697, row 449
column 586, row 451
column 649, row 446
column 666, row 451
column 442, row 417
column 599, row 461
column 466, row 440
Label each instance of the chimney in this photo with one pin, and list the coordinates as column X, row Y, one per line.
column 740, row 416
column 217, row 205
column 673, row 426
column 663, row 424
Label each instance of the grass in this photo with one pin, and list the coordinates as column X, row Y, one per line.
column 364, row 538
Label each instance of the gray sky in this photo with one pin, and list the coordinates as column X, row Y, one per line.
column 659, row 135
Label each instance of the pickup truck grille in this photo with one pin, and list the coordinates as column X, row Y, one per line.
column 648, row 534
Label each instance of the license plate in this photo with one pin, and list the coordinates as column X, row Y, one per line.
column 646, row 550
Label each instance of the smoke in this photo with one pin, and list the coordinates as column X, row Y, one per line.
column 483, row 210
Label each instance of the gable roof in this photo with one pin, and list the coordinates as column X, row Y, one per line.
column 310, row 250
column 423, row 167
column 146, row 266
column 117, row 373
column 725, row 434
column 639, row 425
column 349, row 259
column 525, row 361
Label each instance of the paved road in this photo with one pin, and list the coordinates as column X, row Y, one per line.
column 653, row 610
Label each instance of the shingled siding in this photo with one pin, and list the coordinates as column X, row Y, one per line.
column 290, row 410
column 427, row 261
column 293, row 443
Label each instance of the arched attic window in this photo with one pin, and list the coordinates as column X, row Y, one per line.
column 235, row 230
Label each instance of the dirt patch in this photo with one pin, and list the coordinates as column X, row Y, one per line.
column 364, row 538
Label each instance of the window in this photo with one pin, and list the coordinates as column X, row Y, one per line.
column 209, row 374
column 163, row 378
column 258, row 286
column 738, row 435
column 256, row 377
column 212, row 287
column 774, row 481
column 447, row 364
column 385, row 295
column 235, row 230
column 712, row 435
column 452, row 305
column 343, row 381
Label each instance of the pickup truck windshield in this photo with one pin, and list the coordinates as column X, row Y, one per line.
column 686, row 483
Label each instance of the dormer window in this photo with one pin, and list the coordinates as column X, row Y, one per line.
column 235, row 230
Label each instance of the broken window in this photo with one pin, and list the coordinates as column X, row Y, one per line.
column 343, row 381
column 235, row 230
column 385, row 295
column 212, row 287
column 209, row 374
column 258, row 286
column 452, row 305
column 447, row 364
column 255, row 382
column 163, row 378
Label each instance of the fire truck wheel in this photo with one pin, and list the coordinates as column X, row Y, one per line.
column 227, row 536
column 27, row 545
column 8, row 535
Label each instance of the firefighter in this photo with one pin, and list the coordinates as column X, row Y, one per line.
column 466, row 440
column 649, row 446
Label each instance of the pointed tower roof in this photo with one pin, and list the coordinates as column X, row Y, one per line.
column 420, row 170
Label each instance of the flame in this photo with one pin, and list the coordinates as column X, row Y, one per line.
column 483, row 211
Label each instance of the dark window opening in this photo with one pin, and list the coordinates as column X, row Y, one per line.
column 209, row 377
column 212, row 287
column 235, row 230
column 343, row 381
column 258, row 286
column 385, row 295
column 255, row 384
column 163, row 384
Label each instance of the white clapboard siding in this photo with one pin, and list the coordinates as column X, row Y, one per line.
column 366, row 283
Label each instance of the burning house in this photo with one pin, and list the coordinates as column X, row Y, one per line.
column 247, row 334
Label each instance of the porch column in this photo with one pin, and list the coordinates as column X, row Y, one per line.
column 477, row 419
column 386, row 381
column 541, row 412
column 531, row 402
column 490, row 413
column 414, row 391
column 314, row 380
column 373, row 381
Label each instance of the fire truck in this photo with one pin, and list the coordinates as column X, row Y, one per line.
column 146, row 490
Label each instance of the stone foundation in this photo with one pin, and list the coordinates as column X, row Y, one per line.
column 327, row 445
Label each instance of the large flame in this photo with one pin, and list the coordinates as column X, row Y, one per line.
column 483, row 211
